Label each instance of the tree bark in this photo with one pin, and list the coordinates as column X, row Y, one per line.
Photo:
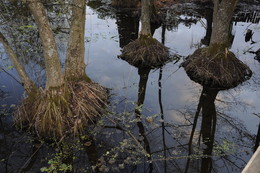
column 145, row 18
column 223, row 13
column 75, row 67
column 52, row 63
column 26, row 81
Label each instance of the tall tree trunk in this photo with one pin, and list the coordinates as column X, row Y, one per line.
column 75, row 67
column 145, row 18
column 223, row 13
column 26, row 81
column 52, row 63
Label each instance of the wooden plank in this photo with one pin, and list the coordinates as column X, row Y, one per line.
column 253, row 166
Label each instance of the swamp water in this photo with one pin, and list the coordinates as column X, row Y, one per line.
column 168, row 109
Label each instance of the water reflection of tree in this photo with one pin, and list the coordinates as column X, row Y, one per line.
column 128, row 26
column 208, row 127
column 20, row 30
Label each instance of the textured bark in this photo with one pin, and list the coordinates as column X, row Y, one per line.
column 26, row 81
column 52, row 64
column 145, row 18
column 75, row 67
column 223, row 13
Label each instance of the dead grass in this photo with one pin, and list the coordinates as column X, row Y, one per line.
column 56, row 113
column 221, row 70
column 145, row 52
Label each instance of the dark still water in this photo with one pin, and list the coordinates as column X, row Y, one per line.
column 222, row 139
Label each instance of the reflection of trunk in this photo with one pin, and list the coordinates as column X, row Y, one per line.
column 162, row 116
column 28, row 165
column 145, row 18
column 26, row 81
column 144, row 73
column 53, row 68
column 92, row 153
column 161, row 105
column 223, row 12
column 127, row 27
column 163, row 34
column 257, row 141
column 155, row 20
column 209, row 18
column 75, row 67
column 208, row 127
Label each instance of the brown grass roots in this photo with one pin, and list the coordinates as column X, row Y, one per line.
column 52, row 114
column 145, row 52
column 220, row 70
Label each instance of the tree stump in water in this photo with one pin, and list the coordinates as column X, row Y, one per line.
column 145, row 52
column 216, row 69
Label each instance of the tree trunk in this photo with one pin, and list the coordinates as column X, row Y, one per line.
column 52, row 63
column 223, row 13
column 145, row 18
column 75, row 67
column 26, row 81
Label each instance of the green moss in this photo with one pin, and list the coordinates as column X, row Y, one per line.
column 147, row 40
column 217, row 48
column 33, row 94
column 79, row 78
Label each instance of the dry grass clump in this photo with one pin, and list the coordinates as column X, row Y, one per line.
column 221, row 69
column 53, row 114
column 145, row 52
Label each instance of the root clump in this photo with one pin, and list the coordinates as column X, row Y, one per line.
column 216, row 69
column 54, row 113
column 145, row 52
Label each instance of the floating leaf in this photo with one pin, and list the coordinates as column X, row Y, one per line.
column 26, row 26
column 9, row 67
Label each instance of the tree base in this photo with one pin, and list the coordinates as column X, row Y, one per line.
column 145, row 52
column 220, row 70
column 56, row 112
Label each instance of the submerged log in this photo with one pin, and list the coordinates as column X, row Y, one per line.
column 216, row 69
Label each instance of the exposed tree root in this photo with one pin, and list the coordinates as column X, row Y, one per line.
column 53, row 113
column 145, row 52
column 216, row 69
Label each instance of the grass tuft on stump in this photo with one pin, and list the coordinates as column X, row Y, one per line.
column 216, row 69
column 56, row 112
column 145, row 52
